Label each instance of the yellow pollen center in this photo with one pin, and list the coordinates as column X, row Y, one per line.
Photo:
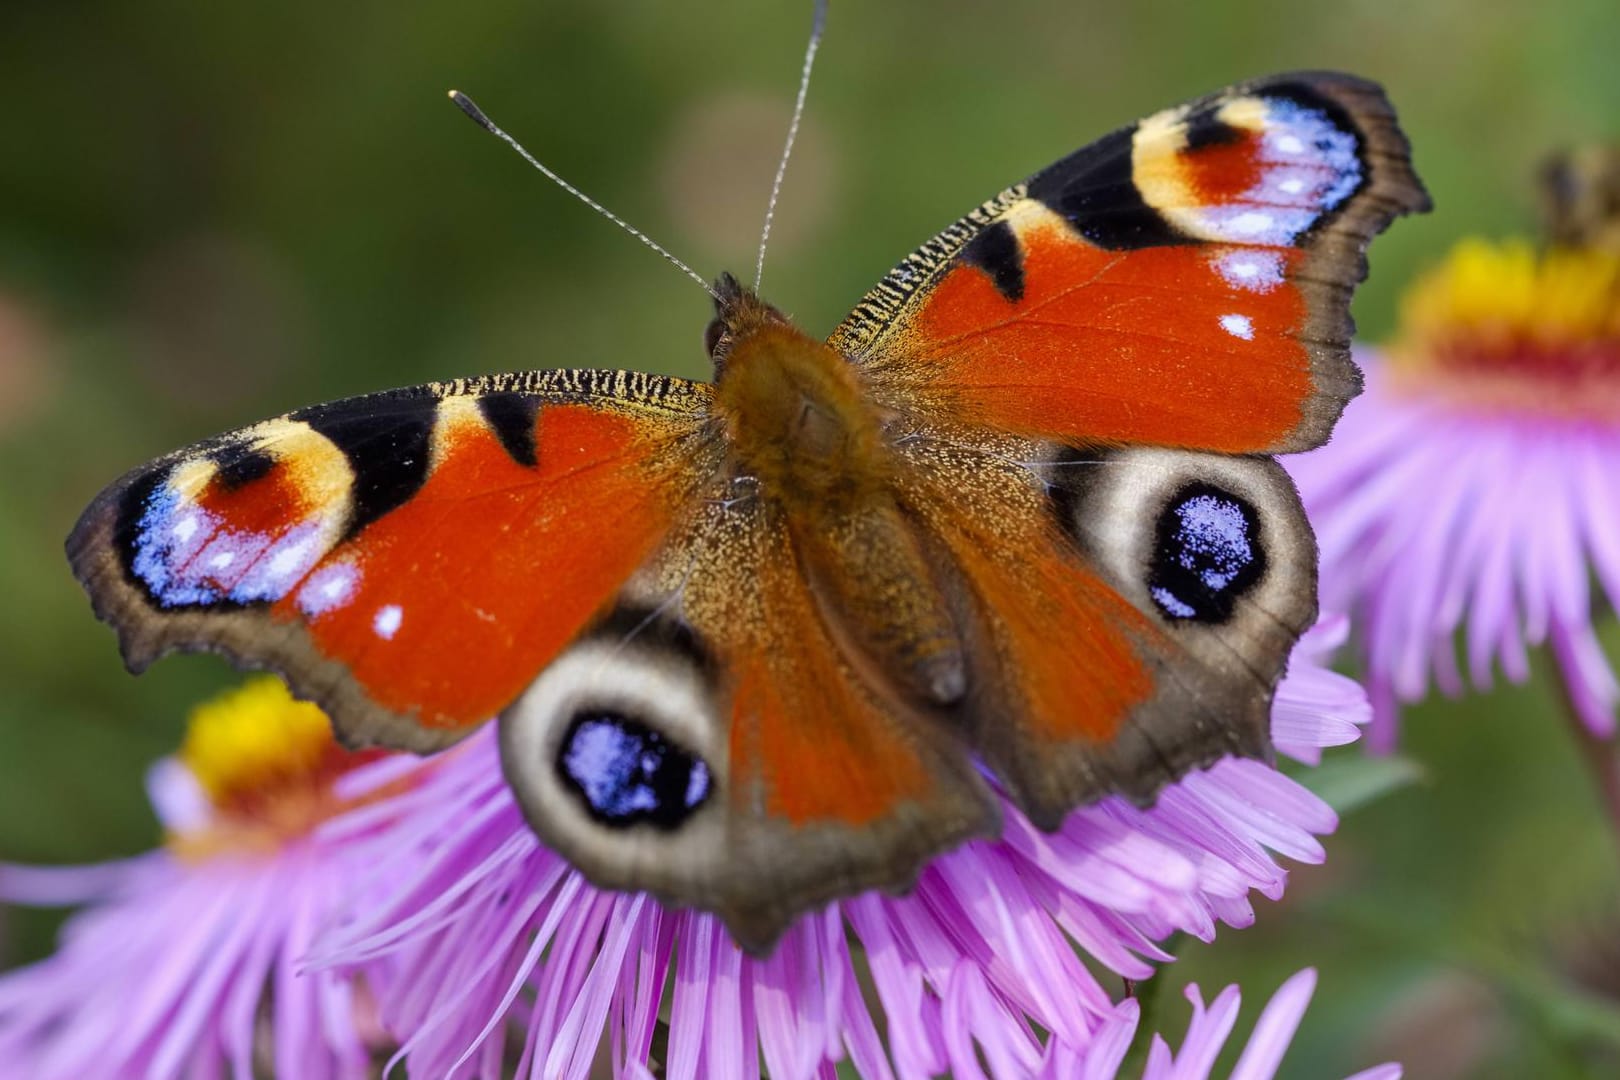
column 1506, row 326
column 267, row 763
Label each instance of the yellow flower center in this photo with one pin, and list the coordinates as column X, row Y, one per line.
column 1505, row 326
column 267, row 763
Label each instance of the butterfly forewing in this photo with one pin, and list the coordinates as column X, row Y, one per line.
column 410, row 559
column 1182, row 282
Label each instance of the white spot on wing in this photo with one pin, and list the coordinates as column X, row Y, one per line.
column 186, row 528
column 1238, row 326
column 1250, row 223
column 1251, row 271
column 328, row 588
column 1288, row 144
column 387, row 620
column 222, row 560
column 292, row 558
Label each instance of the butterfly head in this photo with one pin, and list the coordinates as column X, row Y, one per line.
column 738, row 311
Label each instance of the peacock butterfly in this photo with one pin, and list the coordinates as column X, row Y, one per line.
column 774, row 639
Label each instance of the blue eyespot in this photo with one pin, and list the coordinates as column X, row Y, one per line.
column 626, row 773
column 1206, row 554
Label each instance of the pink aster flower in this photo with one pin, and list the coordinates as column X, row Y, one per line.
column 1206, row 1037
column 1473, row 491
column 186, row 961
column 508, row 959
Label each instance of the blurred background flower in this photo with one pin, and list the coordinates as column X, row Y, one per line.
column 189, row 959
column 1470, row 503
column 1475, row 486
column 371, row 237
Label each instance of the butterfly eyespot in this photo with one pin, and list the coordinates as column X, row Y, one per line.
column 1216, row 548
column 626, row 773
column 617, row 757
column 1207, row 553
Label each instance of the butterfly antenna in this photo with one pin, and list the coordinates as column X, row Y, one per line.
column 817, row 26
column 465, row 104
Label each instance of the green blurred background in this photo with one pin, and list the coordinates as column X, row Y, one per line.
column 213, row 213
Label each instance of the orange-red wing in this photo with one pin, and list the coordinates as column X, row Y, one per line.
column 1092, row 676
column 811, row 740
column 1068, row 678
column 1182, row 282
column 833, row 782
column 411, row 560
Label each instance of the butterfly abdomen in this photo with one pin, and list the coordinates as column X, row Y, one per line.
column 878, row 593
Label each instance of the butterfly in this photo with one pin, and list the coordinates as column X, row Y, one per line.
column 1013, row 529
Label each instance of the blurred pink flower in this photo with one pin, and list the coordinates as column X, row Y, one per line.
column 1474, row 489
column 495, row 942
column 187, row 961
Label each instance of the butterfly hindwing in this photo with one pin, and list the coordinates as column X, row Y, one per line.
column 709, row 740
column 1132, row 608
column 409, row 559
column 1182, row 282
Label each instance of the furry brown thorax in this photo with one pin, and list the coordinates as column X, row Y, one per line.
column 803, row 427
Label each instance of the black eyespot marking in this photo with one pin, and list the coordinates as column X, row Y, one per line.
column 511, row 416
column 1205, row 129
column 625, row 773
column 1206, row 554
column 386, row 439
column 235, row 468
column 1095, row 189
column 996, row 252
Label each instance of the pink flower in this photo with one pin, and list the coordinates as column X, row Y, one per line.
column 496, row 942
column 1474, row 490
column 187, row 961
column 1206, row 1038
